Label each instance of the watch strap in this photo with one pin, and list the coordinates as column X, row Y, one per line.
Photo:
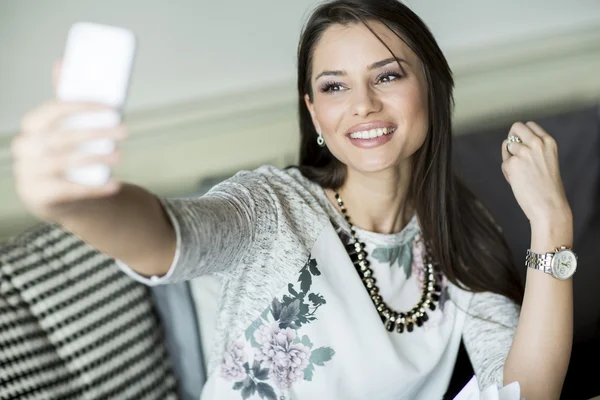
column 541, row 262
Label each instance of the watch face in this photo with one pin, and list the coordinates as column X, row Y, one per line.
column 564, row 264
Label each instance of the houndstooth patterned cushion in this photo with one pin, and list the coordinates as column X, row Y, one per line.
column 73, row 326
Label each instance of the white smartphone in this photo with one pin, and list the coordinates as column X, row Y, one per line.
column 96, row 67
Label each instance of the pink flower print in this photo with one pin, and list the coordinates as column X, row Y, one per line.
column 232, row 365
column 418, row 267
column 286, row 360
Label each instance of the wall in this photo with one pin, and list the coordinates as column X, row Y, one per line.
column 191, row 49
column 213, row 90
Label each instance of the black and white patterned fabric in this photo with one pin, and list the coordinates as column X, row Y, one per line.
column 73, row 326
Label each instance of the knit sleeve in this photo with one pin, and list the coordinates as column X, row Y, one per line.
column 234, row 223
column 488, row 335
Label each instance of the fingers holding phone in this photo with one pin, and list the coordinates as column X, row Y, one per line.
column 44, row 152
column 96, row 67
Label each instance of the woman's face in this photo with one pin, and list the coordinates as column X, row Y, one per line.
column 371, row 111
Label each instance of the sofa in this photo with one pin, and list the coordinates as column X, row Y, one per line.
column 182, row 316
column 73, row 326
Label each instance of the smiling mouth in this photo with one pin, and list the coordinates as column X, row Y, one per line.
column 372, row 133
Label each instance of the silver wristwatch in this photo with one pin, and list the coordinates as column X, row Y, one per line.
column 561, row 263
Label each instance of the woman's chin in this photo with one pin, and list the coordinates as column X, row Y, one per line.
column 372, row 166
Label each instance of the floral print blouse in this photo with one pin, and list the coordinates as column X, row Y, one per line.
column 295, row 319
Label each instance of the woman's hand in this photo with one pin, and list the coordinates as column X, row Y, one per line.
column 531, row 168
column 43, row 151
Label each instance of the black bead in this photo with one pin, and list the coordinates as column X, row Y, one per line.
column 432, row 306
column 419, row 322
column 437, row 288
column 383, row 318
column 400, row 327
column 425, row 317
column 434, row 296
column 350, row 249
column 409, row 327
column 389, row 326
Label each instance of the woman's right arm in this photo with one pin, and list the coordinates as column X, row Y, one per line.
column 123, row 221
column 129, row 223
column 130, row 226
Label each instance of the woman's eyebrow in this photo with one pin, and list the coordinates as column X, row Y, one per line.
column 373, row 66
column 385, row 62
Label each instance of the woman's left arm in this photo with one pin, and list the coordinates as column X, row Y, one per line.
column 539, row 355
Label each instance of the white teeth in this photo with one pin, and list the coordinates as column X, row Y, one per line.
column 371, row 134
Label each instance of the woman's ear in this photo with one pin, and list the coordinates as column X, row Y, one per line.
column 311, row 110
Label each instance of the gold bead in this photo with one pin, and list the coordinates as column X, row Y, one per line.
column 369, row 282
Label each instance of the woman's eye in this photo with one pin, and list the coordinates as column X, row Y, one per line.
column 388, row 77
column 332, row 87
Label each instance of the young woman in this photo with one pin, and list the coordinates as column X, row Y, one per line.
column 355, row 274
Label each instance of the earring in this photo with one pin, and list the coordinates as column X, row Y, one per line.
column 320, row 140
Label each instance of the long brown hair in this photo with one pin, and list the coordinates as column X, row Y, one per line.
column 464, row 239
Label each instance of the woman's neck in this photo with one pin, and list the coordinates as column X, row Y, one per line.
column 376, row 202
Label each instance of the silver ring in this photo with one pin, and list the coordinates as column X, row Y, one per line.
column 515, row 139
column 512, row 139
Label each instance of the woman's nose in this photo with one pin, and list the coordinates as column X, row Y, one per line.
column 365, row 101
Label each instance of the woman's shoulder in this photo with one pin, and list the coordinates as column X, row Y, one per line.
column 289, row 177
column 282, row 185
